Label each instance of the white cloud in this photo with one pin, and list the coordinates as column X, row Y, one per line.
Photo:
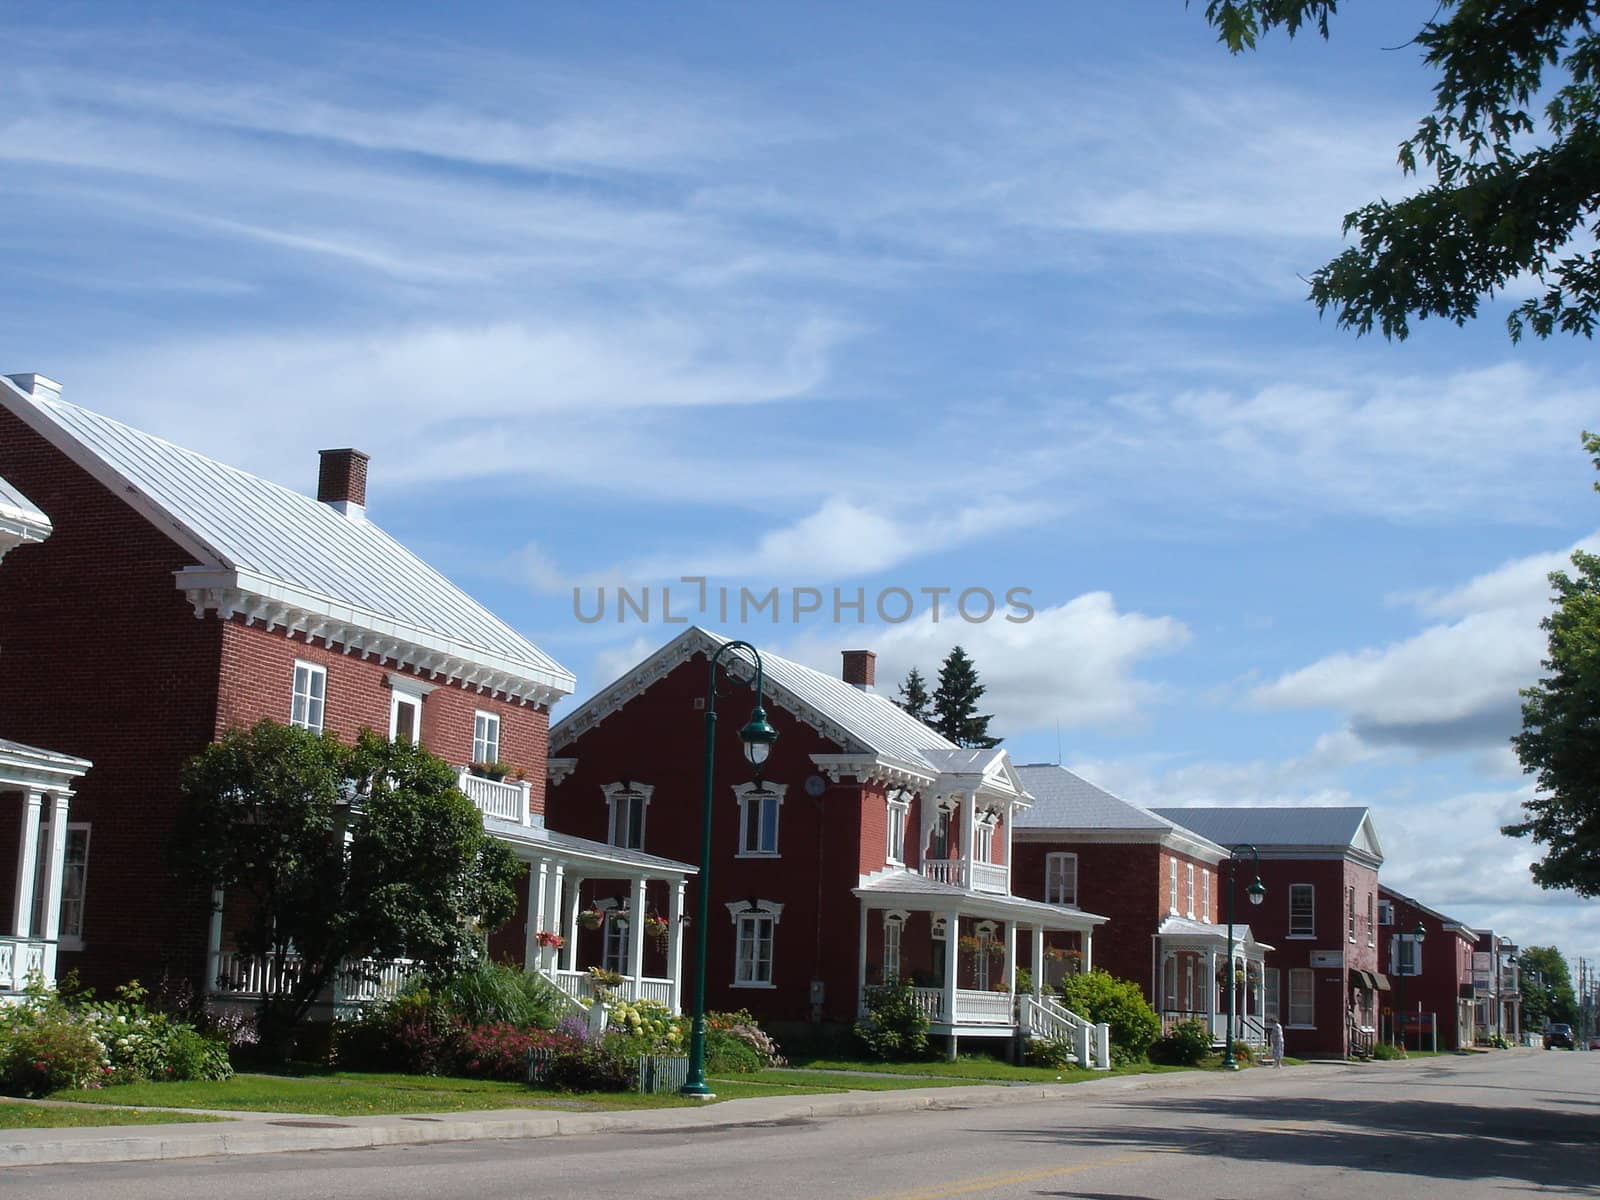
column 1075, row 663
column 1452, row 685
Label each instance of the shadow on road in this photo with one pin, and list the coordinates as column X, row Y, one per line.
column 1424, row 1138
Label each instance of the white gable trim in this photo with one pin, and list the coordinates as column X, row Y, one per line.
column 278, row 605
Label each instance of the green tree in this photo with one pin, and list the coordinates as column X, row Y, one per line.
column 1513, row 148
column 1099, row 996
column 1547, row 993
column 914, row 696
column 332, row 854
column 955, row 703
column 1560, row 738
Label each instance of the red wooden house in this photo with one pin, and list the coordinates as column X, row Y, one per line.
column 1320, row 914
column 1430, row 980
column 178, row 596
column 1158, row 885
column 869, row 848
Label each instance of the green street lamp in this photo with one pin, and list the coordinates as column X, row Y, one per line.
column 1257, row 893
column 757, row 736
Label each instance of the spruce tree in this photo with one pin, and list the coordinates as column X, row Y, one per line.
column 914, row 697
column 955, row 703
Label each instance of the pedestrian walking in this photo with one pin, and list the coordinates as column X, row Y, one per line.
column 1277, row 1043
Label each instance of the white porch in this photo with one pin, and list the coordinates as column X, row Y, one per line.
column 41, row 783
column 1193, row 974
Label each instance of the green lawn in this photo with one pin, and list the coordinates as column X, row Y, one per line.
column 355, row 1094
column 41, row 1116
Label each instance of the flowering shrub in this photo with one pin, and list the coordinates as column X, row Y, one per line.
column 649, row 1027
column 415, row 1033
column 497, row 1051
column 49, row 1042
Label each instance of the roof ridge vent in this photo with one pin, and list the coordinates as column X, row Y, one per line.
column 38, row 385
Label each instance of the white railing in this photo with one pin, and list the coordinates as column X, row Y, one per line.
column 972, row 1007
column 21, row 957
column 1047, row 1017
column 507, row 801
column 249, row 977
column 975, row 876
column 579, row 985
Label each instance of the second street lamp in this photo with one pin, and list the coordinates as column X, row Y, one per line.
column 1257, row 894
column 757, row 736
column 1417, row 935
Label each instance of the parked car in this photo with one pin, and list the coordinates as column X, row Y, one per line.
column 1594, row 1043
column 1559, row 1035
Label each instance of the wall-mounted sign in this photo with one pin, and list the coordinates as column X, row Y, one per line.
column 1327, row 958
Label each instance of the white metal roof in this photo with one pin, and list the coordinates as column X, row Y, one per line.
column 919, row 893
column 278, row 540
column 1285, row 828
column 14, row 506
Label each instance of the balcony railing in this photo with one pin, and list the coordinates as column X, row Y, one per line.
column 505, row 800
column 246, row 977
column 974, row 876
column 21, row 957
column 580, row 986
column 971, row 1007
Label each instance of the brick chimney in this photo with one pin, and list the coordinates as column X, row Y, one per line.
column 342, row 481
column 860, row 668
column 37, row 385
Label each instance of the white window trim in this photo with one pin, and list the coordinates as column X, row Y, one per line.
column 1188, row 887
column 1385, row 912
column 1288, row 1005
column 396, row 700
column 1372, row 922
column 615, row 792
column 615, row 920
column 748, row 796
column 1312, row 932
column 74, row 941
column 493, row 718
column 1350, row 914
column 897, row 817
column 739, row 909
column 897, row 918
column 1172, row 886
column 1271, row 995
column 1060, row 856
column 1205, row 897
column 314, row 670
column 1394, row 955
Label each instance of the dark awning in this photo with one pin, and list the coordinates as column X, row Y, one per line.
column 1382, row 981
column 1362, row 979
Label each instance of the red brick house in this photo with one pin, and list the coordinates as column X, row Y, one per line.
column 870, row 848
column 1320, row 914
column 45, row 891
column 1430, row 981
column 1158, row 885
column 178, row 596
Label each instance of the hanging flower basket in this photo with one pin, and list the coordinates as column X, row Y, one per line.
column 550, row 940
column 591, row 918
column 656, row 927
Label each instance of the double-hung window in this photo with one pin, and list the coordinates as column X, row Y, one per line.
column 405, row 718
column 759, row 806
column 939, row 844
column 1372, row 938
column 1269, row 994
column 893, row 926
column 1407, row 957
column 74, row 880
column 1302, row 910
column 1172, row 886
column 1188, row 875
column 894, row 845
column 485, row 737
column 1061, row 879
column 309, row 694
column 1205, row 896
column 628, row 802
column 617, row 942
column 754, row 923
column 983, row 840
column 1302, row 997
column 1350, row 915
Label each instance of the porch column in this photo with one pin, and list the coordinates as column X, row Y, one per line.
column 636, row 937
column 675, row 944
column 1211, row 991
column 1038, row 961
column 1011, row 958
column 538, row 885
column 861, row 958
column 214, row 942
column 1088, row 949
column 969, row 831
column 952, row 956
column 554, row 877
column 27, row 864
column 569, row 952
column 54, row 866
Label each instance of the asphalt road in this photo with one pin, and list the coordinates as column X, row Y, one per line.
column 1498, row 1124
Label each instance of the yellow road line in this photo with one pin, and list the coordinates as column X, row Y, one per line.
column 963, row 1187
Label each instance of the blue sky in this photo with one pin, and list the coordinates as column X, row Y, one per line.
column 849, row 296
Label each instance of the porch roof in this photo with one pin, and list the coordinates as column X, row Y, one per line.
column 1185, row 929
column 535, row 841
column 904, row 889
column 28, row 766
column 21, row 516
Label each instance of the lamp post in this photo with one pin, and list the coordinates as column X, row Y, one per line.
column 1416, row 969
column 757, row 736
column 1257, row 894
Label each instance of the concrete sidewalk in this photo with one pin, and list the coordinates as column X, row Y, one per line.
column 275, row 1133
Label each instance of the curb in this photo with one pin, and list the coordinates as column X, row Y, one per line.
column 277, row 1134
